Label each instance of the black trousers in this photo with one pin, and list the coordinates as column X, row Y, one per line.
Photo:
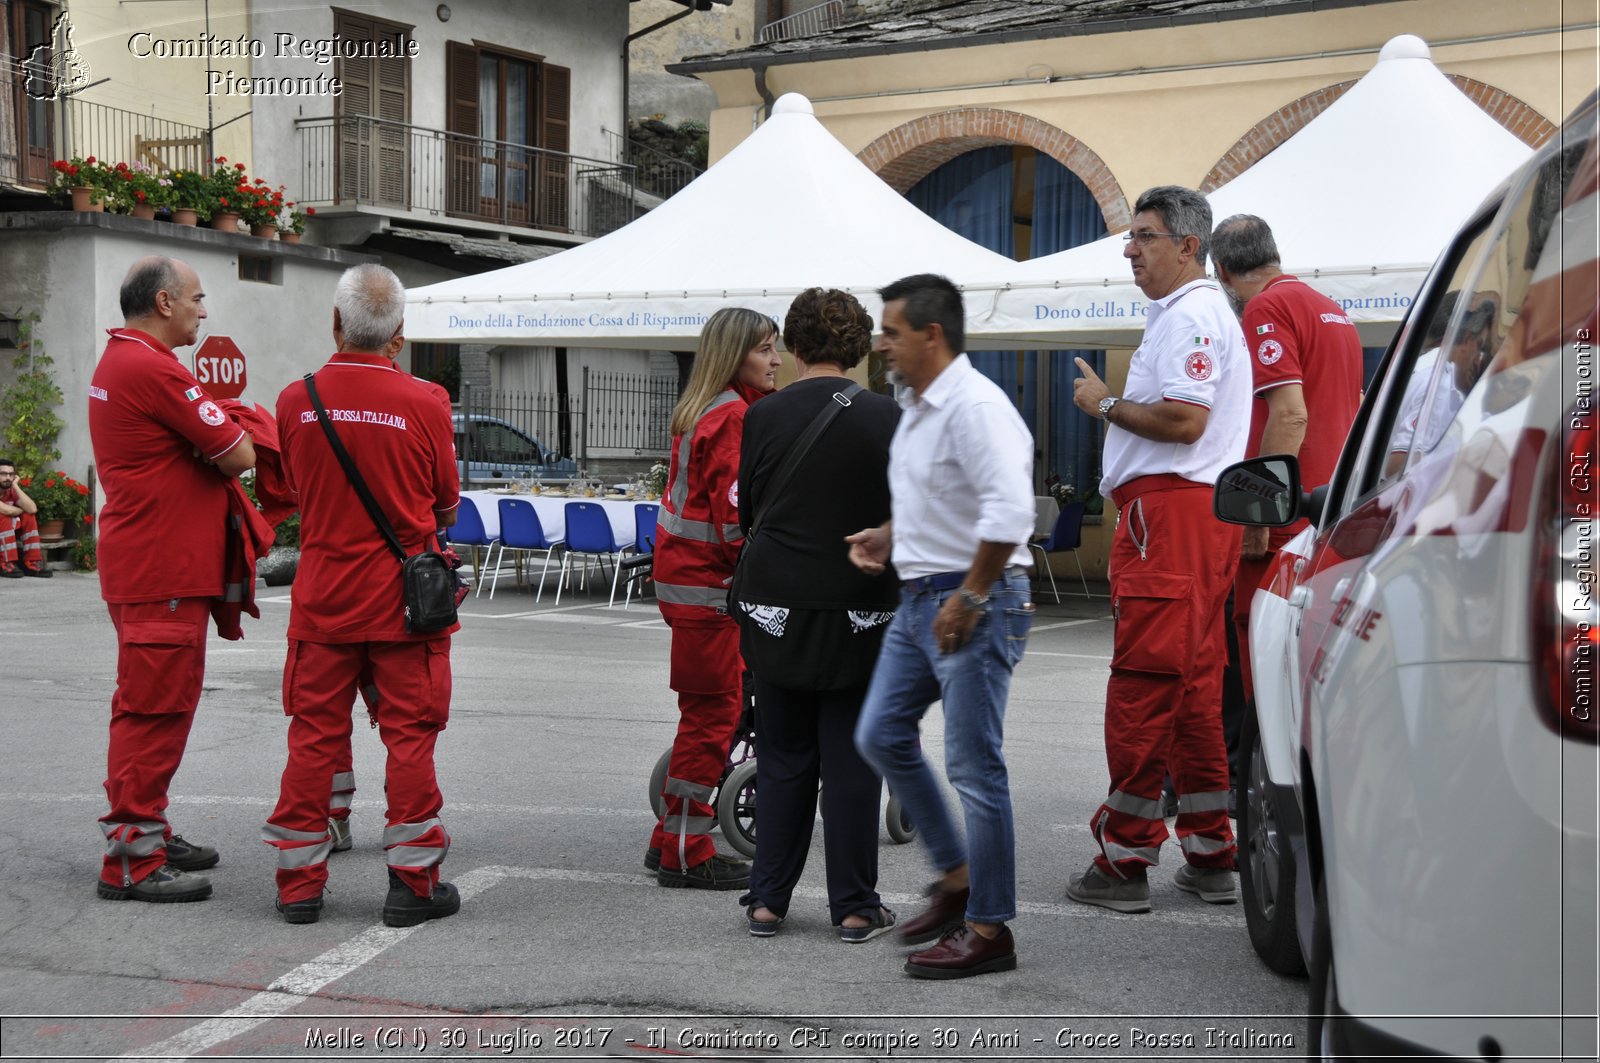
column 803, row 737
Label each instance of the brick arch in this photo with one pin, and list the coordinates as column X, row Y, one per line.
column 908, row 153
column 1521, row 120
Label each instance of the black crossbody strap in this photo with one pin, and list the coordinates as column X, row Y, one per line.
column 351, row 471
column 801, row 448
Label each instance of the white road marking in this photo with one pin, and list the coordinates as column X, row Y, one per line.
column 373, row 803
column 1085, row 656
column 1068, row 623
column 295, row 987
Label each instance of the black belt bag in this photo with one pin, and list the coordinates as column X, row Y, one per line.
column 429, row 581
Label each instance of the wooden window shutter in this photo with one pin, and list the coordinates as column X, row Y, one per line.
column 392, row 92
column 461, row 119
column 354, row 157
column 555, row 124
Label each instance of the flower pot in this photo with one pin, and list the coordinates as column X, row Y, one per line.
column 225, row 220
column 184, row 216
column 82, row 199
column 52, row 531
column 147, row 211
column 288, row 236
column 266, row 232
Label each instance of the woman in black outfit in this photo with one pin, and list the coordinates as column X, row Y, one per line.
column 811, row 623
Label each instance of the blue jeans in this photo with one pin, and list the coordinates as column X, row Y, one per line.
column 911, row 674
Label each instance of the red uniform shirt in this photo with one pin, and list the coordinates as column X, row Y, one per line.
column 1297, row 335
column 347, row 587
column 164, row 524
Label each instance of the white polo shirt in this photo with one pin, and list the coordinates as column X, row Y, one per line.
column 1193, row 351
column 960, row 472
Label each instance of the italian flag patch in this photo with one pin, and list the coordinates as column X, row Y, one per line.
column 192, row 394
column 1262, row 330
column 1202, row 341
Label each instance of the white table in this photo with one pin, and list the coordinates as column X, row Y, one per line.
column 552, row 512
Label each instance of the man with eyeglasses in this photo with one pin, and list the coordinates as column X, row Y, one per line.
column 19, row 528
column 1180, row 421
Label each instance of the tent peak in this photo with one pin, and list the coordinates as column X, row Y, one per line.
column 792, row 103
column 1405, row 46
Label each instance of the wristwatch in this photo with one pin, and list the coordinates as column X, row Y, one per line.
column 1106, row 404
column 973, row 601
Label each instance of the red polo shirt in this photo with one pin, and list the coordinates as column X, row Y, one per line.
column 347, row 587
column 164, row 523
column 1297, row 335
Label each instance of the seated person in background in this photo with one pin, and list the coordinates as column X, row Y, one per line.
column 19, row 528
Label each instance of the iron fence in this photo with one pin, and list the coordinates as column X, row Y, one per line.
column 612, row 415
column 657, row 173
column 824, row 16
column 352, row 159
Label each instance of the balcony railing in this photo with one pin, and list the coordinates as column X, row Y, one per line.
column 71, row 126
column 657, row 173
column 816, row 19
column 355, row 160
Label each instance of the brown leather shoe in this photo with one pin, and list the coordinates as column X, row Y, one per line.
column 946, row 909
column 962, row 953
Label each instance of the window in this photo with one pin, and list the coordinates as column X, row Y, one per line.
column 33, row 86
column 440, row 363
column 501, row 104
column 373, row 161
column 258, row 268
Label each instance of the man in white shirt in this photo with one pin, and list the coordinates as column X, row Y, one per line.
column 961, row 483
column 1183, row 417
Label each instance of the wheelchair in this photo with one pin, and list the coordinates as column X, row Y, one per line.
column 734, row 796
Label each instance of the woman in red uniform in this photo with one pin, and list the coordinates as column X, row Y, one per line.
column 697, row 543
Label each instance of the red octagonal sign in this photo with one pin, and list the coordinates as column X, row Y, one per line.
column 219, row 366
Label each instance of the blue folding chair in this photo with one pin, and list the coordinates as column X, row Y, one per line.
column 468, row 530
column 521, row 530
column 1066, row 535
column 589, row 533
column 639, row 568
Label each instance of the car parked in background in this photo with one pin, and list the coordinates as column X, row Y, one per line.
column 1418, row 786
column 497, row 451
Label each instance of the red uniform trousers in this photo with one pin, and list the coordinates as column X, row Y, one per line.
column 319, row 691
column 1249, row 577
column 161, row 663
column 19, row 540
column 1172, row 564
column 344, row 765
column 708, row 675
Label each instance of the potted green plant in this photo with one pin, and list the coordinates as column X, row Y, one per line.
column 61, row 500
column 190, row 198
column 292, row 222
column 260, row 207
column 82, row 182
column 140, row 189
column 225, row 198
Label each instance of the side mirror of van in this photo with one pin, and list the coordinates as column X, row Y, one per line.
column 1264, row 492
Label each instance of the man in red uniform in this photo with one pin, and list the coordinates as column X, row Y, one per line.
column 162, row 448
column 1181, row 419
column 19, row 528
column 347, row 616
column 1306, row 359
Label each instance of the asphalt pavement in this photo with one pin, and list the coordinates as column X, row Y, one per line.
column 564, row 947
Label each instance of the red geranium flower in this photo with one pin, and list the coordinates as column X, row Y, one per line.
column 238, row 166
column 90, row 160
column 222, row 158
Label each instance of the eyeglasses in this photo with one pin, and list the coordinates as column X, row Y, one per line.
column 1147, row 237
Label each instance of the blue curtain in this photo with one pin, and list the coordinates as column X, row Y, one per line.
column 1065, row 215
column 972, row 195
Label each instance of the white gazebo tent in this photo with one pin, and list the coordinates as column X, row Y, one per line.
column 1361, row 201
column 788, row 209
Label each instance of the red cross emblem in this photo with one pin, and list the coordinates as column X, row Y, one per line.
column 1198, row 365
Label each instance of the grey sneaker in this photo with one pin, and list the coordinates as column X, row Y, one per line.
column 165, row 885
column 1119, row 894
column 1214, row 885
column 339, row 831
column 187, row 856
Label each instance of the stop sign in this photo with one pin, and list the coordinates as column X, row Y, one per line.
column 219, row 366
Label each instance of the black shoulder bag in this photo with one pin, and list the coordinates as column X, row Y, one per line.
column 430, row 584
column 780, row 479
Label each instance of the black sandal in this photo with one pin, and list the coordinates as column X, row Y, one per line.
column 882, row 921
column 760, row 928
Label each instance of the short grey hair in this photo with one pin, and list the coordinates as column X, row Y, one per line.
column 1184, row 212
column 146, row 279
column 372, row 305
column 1243, row 244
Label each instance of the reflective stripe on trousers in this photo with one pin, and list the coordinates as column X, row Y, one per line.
column 416, row 845
column 297, row 848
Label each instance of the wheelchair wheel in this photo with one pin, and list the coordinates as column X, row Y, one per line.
column 658, row 779
column 736, row 808
column 901, row 829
